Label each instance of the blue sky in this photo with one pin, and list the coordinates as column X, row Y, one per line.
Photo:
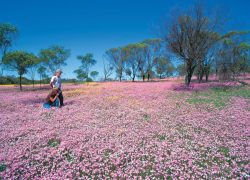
column 96, row 25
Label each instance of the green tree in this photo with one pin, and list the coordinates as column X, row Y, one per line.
column 33, row 69
column 116, row 56
column 81, row 74
column 94, row 74
column 163, row 67
column 152, row 51
column 8, row 33
column 134, row 58
column 19, row 61
column 87, row 61
column 181, row 69
column 54, row 57
column 42, row 73
column 233, row 59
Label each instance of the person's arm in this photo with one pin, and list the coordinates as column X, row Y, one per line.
column 52, row 81
column 53, row 99
column 51, row 84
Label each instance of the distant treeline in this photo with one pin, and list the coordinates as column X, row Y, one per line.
column 6, row 80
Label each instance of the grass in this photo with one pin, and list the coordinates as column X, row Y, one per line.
column 219, row 96
column 146, row 117
column 54, row 142
column 2, row 167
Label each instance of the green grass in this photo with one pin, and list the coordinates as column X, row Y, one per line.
column 2, row 167
column 54, row 142
column 219, row 96
column 146, row 117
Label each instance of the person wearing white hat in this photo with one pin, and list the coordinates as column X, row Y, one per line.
column 56, row 83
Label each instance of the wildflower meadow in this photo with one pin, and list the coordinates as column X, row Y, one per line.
column 155, row 130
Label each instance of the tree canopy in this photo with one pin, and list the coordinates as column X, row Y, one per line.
column 19, row 61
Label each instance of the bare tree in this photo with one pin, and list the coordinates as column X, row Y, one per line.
column 107, row 70
column 190, row 37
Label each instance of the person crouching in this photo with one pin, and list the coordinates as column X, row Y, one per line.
column 52, row 99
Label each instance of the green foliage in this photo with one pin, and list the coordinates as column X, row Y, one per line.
column 233, row 59
column 81, row 74
column 54, row 142
column 8, row 33
column 220, row 96
column 117, row 58
column 54, row 57
column 164, row 67
column 94, row 74
column 181, row 69
column 42, row 71
column 146, row 117
column 233, row 33
column 19, row 61
column 87, row 61
column 3, row 167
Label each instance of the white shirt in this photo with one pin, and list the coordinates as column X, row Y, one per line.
column 56, row 82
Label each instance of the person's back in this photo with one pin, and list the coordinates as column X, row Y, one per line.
column 52, row 99
column 56, row 82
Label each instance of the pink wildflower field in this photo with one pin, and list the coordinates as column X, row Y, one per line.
column 124, row 131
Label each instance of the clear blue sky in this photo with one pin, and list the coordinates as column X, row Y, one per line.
column 96, row 25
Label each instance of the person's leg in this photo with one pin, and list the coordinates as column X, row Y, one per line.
column 46, row 105
column 56, row 103
column 61, row 98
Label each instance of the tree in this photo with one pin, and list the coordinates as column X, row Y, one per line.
column 152, row 51
column 87, row 61
column 116, row 56
column 107, row 70
column 8, row 33
column 54, row 57
column 133, row 58
column 190, row 37
column 19, row 61
column 94, row 74
column 233, row 59
column 33, row 69
column 81, row 74
column 42, row 73
column 181, row 69
column 163, row 67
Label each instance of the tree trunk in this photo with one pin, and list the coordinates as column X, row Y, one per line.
column 20, row 82
column 143, row 77
column 201, row 77
column 133, row 79
column 190, row 71
column 148, row 76
column 33, row 82
column 40, row 82
column 207, row 75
